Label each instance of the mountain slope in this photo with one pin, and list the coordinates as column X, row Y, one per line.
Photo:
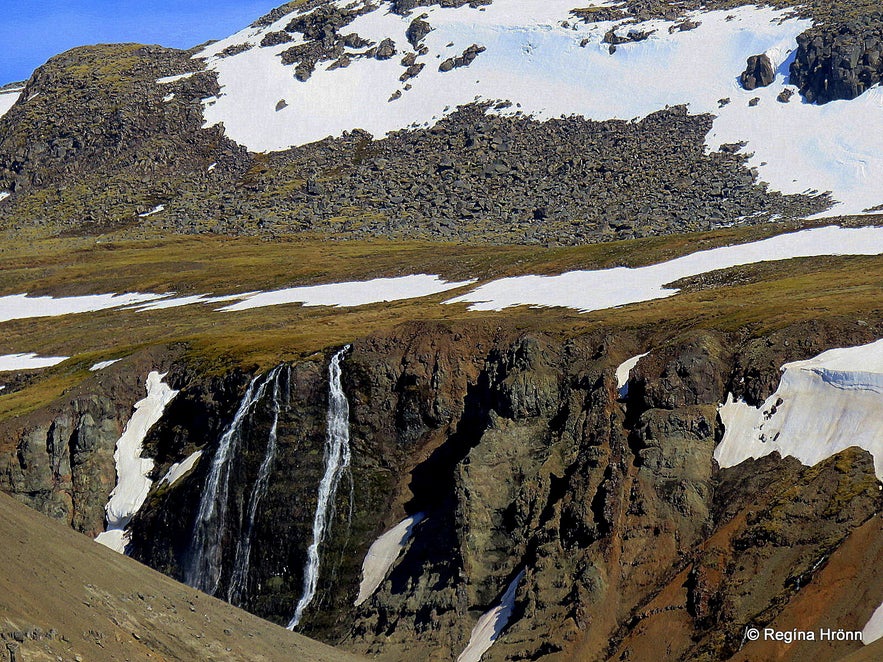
column 68, row 596
column 499, row 122
column 452, row 436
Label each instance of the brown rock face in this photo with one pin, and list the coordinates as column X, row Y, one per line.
column 522, row 455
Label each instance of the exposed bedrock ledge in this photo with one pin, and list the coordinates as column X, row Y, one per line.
column 839, row 60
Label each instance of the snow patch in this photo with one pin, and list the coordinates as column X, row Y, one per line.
column 4, row 195
column 873, row 629
column 188, row 300
column 822, row 406
column 101, row 365
column 383, row 553
column 623, row 371
column 22, row 306
column 491, row 624
column 30, row 361
column 132, row 470
column 171, row 79
column 168, row 97
column 8, row 99
column 179, row 469
column 607, row 288
column 153, row 211
column 348, row 294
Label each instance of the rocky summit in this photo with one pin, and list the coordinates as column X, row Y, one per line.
column 448, row 330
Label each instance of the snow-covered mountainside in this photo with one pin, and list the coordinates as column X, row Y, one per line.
column 344, row 65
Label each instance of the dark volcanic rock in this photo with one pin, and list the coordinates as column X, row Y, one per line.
column 523, row 455
column 97, row 116
column 497, row 172
column 463, row 60
column 758, row 73
column 416, row 31
column 839, row 60
column 385, row 50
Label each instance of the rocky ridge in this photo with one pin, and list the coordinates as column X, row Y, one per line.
column 492, row 178
column 475, row 176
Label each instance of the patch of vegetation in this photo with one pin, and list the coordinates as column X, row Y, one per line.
column 753, row 300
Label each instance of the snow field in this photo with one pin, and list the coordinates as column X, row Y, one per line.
column 822, row 406
column 30, row 361
column 548, row 63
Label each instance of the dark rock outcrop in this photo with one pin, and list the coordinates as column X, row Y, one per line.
column 758, row 72
column 839, row 60
column 98, row 117
column 463, row 60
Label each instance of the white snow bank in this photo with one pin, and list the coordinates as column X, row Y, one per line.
column 153, row 211
column 188, row 300
column 132, row 469
column 383, row 554
column 8, row 99
column 101, row 365
column 22, row 306
column 491, row 625
column 623, row 371
column 4, row 195
column 873, row 629
column 355, row 293
column 180, row 469
column 822, row 406
column 171, row 79
column 530, row 59
column 607, row 288
column 11, row 362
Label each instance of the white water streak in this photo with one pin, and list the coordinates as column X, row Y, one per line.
column 239, row 579
column 204, row 570
column 337, row 461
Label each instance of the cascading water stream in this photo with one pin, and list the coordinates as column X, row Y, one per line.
column 239, row 578
column 204, row 569
column 337, row 461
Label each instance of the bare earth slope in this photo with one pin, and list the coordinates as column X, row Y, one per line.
column 105, row 606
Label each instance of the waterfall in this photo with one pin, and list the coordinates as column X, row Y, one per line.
column 236, row 590
column 337, row 461
column 204, row 569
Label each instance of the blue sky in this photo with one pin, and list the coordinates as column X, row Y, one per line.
column 32, row 31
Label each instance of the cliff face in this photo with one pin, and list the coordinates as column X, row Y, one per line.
column 524, row 454
column 59, row 459
column 839, row 60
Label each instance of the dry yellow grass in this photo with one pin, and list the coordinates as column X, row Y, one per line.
column 758, row 298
